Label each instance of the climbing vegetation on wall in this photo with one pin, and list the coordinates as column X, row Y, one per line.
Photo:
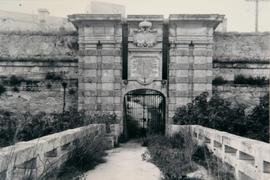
column 241, row 80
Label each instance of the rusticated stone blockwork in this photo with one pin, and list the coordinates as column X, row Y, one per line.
column 99, row 62
column 190, row 68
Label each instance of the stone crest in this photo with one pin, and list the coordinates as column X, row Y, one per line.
column 145, row 36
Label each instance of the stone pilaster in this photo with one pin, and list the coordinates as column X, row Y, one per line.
column 99, row 62
column 190, row 68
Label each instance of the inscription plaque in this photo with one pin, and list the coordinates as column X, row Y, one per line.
column 145, row 68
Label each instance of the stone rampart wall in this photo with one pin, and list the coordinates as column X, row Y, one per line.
column 241, row 53
column 46, row 96
column 31, row 56
column 242, row 94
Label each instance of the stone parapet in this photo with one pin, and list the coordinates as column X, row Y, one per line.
column 27, row 158
column 250, row 159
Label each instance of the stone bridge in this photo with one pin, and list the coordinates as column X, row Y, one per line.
column 248, row 159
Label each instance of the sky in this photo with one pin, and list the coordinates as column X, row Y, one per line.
column 240, row 13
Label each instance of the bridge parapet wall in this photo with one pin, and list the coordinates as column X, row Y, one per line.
column 33, row 158
column 250, row 159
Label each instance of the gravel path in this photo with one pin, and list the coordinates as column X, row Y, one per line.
column 125, row 163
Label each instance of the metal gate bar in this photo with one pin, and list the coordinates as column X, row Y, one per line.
column 146, row 112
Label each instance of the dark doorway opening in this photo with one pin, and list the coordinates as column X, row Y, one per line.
column 144, row 113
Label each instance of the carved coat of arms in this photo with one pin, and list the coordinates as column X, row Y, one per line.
column 145, row 36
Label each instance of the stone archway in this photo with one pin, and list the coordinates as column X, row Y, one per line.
column 144, row 113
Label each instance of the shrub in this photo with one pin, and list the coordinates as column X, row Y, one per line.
column 71, row 91
column 219, row 81
column 84, row 156
column 259, row 81
column 2, row 89
column 35, row 126
column 172, row 154
column 49, row 86
column 179, row 155
column 15, row 81
column 24, row 127
column 258, row 120
column 7, row 128
column 53, row 76
column 220, row 114
column 87, row 154
column 101, row 118
column 15, row 89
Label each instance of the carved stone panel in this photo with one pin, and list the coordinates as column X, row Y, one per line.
column 145, row 68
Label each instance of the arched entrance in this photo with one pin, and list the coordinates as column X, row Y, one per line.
column 144, row 112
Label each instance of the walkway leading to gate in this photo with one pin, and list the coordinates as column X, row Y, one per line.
column 125, row 163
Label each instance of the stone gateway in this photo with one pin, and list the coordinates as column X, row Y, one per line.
column 143, row 53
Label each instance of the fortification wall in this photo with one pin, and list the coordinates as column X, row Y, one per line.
column 242, row 94
column 31, row 56
column 241, row 53
column 34, row 53
column 46, row 96
column 244, row 47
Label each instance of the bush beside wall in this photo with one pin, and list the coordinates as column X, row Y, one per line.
column 220, row 114
column 26, row 126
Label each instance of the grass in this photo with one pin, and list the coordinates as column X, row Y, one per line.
column 214, row 165
column 86, row 155
column 172, row 155
column 179, row 155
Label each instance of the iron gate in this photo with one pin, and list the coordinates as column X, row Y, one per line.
column 145, row 113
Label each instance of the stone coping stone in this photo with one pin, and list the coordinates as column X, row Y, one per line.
column 24, row 151
column 89, row 17
column 196, row 17
column 145, row 17
column 246, row 145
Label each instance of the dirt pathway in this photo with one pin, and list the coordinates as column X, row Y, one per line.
column 125, row 163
